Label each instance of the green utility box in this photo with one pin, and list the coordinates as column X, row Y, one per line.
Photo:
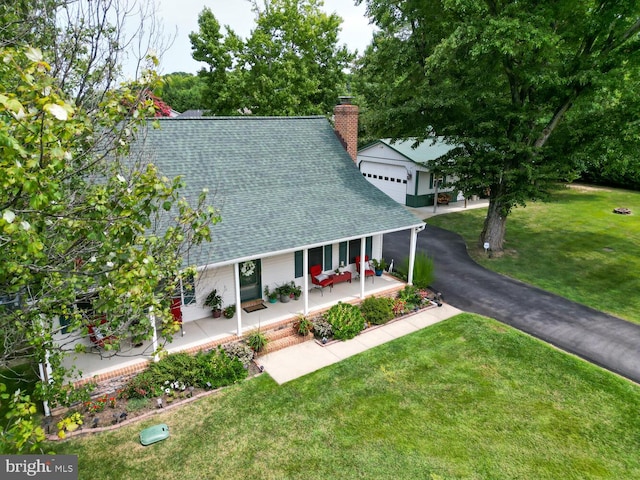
column 154, row 434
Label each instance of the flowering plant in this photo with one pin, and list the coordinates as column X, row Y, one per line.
column 399, row 306
column 97, row 405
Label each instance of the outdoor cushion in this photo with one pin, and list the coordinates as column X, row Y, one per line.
column 321, row 277
column 154, row 434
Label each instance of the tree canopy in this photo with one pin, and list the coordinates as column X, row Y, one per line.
column 84, row 219
column 291, row 64
column 83, row 222
column 496, row 79
column 182, row 91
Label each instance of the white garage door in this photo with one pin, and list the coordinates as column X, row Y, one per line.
column 391, row 179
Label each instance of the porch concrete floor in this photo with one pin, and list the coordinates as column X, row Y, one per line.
column 207, row 330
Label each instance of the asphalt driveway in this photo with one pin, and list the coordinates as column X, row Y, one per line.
column 595, row 336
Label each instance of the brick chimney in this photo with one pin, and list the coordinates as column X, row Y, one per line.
column 346, row 125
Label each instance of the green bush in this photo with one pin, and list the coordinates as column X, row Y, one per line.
column 219, row 369
column 377, row 310
column 215, row 367
column 177, row 367
column 410, row 295
column 142, row 386
column 346, row 320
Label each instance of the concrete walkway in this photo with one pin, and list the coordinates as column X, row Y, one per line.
column 293, row 362
column 427, row 212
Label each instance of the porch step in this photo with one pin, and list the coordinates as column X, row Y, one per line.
column 284, row 332
column 286, row 341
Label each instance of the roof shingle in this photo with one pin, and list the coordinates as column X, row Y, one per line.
column 280, row 183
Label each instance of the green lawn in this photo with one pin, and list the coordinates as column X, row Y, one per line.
column 573, row 246
column 468, row 398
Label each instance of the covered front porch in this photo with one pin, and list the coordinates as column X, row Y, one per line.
column 208, row 332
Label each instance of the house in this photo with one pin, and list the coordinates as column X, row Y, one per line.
column 402, row 171
column 290, row 197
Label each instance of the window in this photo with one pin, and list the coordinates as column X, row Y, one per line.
column 189, row 290
column 354, row 248
column 298, row 260
column 342, row 253
column 316, row 256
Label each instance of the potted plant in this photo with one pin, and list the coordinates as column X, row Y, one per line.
column 297, row 291
column 214, row 301
column 256, row 340
column 379, row 265
column 271, row 295
column 285, row 291
column 303, row 325
column 229, row 311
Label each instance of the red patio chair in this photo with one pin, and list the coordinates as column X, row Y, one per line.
column 319, row 279
column 96, row 335
column 368, row 271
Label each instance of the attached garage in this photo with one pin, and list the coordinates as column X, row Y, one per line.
column 391, row 179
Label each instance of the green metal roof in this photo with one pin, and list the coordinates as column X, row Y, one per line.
column 428, row 150
column 280, row 183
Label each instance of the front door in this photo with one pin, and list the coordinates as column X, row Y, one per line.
column 250, row 285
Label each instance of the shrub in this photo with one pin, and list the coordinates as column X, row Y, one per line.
column 181, row 369
column 218, row 369
column 410, row 294
column 322, row 328
column 241, row 351
column 177, row 367
column 346, row 320
column 377, row 310
column 141, row 386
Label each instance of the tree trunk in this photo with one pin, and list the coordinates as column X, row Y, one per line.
column 494, row 225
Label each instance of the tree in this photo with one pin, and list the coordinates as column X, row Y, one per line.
column 86, row 43
column 183, row 91
column 84, row 219
column 495, row 79
column 290, row 65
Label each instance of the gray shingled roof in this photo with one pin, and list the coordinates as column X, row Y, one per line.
column 280, row 183
column 430, row 149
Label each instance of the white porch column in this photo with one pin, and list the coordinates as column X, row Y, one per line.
column 412, row 252
column 363, row 277
column 305, row 280
column 45, row 376
column 236, row 282
column 154, row 339
column 181, row 305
